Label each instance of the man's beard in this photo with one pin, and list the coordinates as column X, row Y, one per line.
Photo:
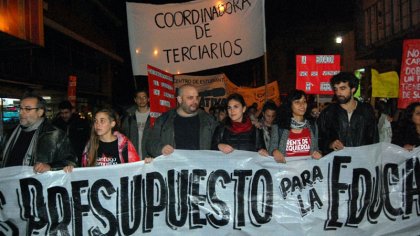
column 343, row 100
column 190, row 109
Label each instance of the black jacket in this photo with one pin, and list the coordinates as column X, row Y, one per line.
column 53, row 147
column 129, row 129
column 333, row 124
column 77, row 130
column 248, row 141
column 163, row 132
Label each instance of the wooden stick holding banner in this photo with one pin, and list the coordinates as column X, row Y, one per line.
column 266, row 76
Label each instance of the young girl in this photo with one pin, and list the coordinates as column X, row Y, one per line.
column 294, row 135
column 107, row 146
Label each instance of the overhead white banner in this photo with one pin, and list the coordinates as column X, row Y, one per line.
column 370, row 190
column 193, row 36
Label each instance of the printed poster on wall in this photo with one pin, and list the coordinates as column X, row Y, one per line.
column 313, row 73
column 410, row 74
column 161, row 92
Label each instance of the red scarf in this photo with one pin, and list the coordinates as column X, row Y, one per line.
column 241, row 127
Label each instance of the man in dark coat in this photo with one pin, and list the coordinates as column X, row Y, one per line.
column 35, row 142
column 348, row 122
column 76, row 128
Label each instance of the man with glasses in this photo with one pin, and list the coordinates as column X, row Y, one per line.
column 35, row 142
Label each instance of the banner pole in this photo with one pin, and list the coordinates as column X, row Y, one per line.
column 265, row 76
column 135, row 82
column 317, row 102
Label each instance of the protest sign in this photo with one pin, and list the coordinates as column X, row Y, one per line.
column 313, row 72
column 410, row 73
column 161, row 92
column 197, row 35
column 211, row 89
column 71, row 90
column 369, row 190
column 384, row 85
column 214, row 89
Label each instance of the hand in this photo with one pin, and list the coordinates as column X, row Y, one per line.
column 263, row 152
column 68, row 169
column 148, row 160
column 279, row 157
column 257, row 124
column 336, row 145
column 225, row 148
column 409, row 147
column 316, row 155
column 41, row 167
column 167, row 150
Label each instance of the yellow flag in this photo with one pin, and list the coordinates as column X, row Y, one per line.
column 385, row 85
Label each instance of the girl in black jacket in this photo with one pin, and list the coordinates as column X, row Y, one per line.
column 237, row 131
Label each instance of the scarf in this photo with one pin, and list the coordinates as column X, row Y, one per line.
column 28, row 159
column 298, row 124
column 241, row 127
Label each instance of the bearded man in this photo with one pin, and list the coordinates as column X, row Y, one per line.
column 348, row 122
column 186, row 127
column 35, row 142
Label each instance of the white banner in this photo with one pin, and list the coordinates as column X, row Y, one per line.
column 370, row 190
column 193, row 36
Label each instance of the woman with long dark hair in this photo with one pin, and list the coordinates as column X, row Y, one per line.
column 237, row 131
column 295, row 134
column 408, row 130
column 107, row 146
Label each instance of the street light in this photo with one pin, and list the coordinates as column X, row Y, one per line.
column 339, row 39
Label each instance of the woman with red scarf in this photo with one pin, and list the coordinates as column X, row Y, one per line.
column 237, row 131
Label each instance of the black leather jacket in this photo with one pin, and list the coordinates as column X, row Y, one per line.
column 53, row 147
column 333, row 124
column 248, row 141
column 78, row 131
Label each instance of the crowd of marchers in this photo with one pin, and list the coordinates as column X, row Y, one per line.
column 295, row 128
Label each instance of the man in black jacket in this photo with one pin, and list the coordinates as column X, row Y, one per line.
column 76, row 128
column 186, row 127
column 347, row 123
column 35, row 142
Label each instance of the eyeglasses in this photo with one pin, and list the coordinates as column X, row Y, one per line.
column 27, row 109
